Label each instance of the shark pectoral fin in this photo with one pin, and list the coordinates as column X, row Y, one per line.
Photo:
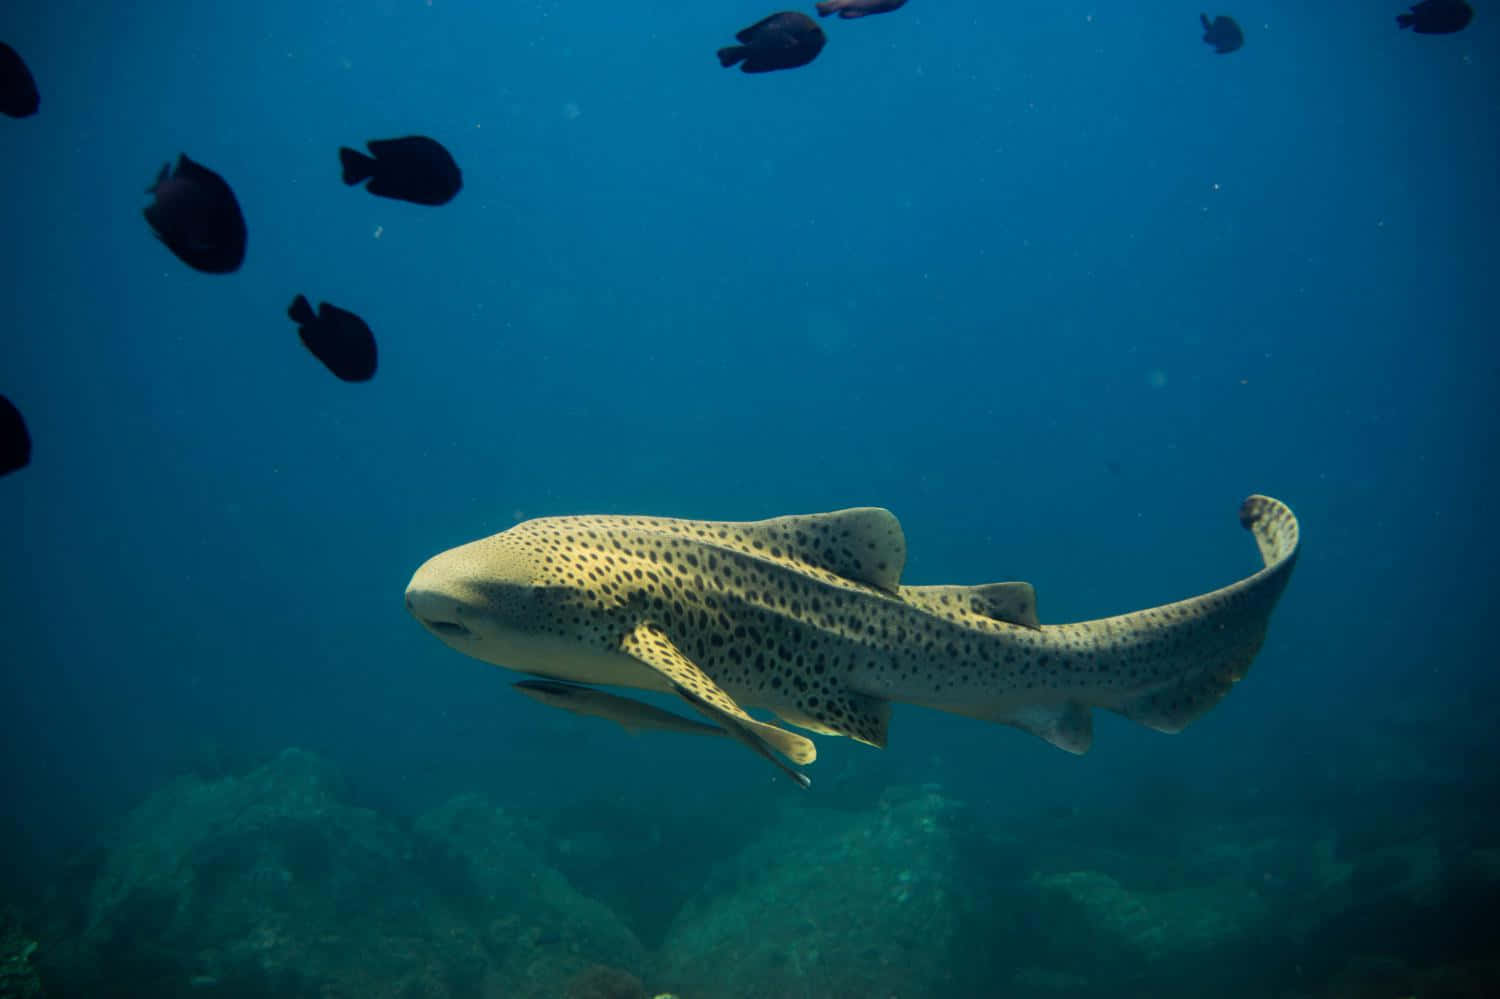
column 651, row 646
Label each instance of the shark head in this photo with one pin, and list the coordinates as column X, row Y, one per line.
column 480, row 597
column 514, row 602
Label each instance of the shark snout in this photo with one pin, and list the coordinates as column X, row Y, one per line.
column 467, row 595
column 439, row 613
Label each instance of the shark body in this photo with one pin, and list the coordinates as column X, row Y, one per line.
column 806, row 616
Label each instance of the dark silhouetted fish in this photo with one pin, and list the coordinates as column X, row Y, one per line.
column 338, row 338
column 15, row 442
column 415, row 169
column 849, row 9
column 196, row 215
column 781, row 41
column 1437, row 17
column 18, row 96
column 1222, row 33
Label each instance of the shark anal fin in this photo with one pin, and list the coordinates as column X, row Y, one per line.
column 651, row 646
column 1067, row 724
column 1171, row 708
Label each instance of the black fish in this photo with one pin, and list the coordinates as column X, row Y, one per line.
column 339, row 339
column 781, row 41
column 18, row 96
column 15, row 442
column 1222, row 33
column 1437, row 17
column 415, row 169
column 196, row 215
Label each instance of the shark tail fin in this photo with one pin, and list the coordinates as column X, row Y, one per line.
column 1219, row 633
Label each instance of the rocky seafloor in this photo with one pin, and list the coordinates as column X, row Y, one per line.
column 276, row 882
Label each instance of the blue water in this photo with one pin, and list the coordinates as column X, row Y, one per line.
column 1054, row 283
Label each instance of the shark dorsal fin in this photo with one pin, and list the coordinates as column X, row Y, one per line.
column 1013, row 603
column 864, row 544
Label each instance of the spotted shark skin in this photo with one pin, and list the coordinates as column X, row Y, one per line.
column 806, row 616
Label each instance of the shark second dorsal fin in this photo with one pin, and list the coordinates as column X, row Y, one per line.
column 1013, row 603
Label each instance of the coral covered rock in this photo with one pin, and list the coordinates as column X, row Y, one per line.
column 828, row 905
column 537, row 930
column 273, row 884
column 18, row 978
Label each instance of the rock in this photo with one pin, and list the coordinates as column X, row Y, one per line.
column 18, row 978
column 267, row 884
column 538, row 931
column 273, row 884
column 828, row 905
column 1140, row 926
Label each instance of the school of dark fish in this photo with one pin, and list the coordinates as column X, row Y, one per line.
column 195, row 214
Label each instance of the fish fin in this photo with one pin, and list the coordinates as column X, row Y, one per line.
column 1238, row 616
column 1012, row 603
column 731, row 54
column 864, row 544
column 1274, row 527
column 301, row 311
column 1189, row 653
column 1173, row 707
column 747, row 35
column 161, row 178
column 861, row 544
column 650, row 645
column 1405, row 20
column 860, row 717
column 1206, row 22
column 794, row 716
column 190, row 168
column 356, row 165
column 1068, row 726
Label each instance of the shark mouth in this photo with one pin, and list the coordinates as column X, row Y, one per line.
column 450, row 628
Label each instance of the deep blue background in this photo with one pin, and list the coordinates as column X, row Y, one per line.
column 1055, row 283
